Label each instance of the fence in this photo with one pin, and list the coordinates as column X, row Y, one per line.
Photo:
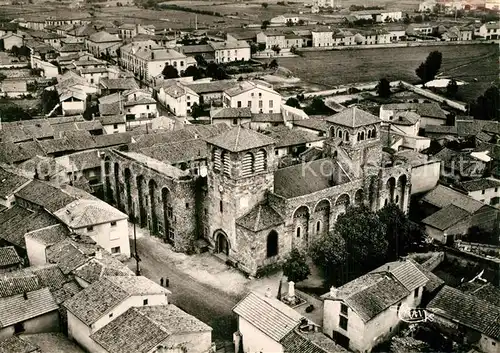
column 477, row 247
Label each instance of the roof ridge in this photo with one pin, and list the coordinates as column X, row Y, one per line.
column 257, row 219
column 237, row 137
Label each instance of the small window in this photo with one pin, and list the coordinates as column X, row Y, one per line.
column 239, row 104
column 483, row 191
column 90, row 229
column 416, row 292
column 145, row 302
column 115, row 126
column 260, row 94
column 235, row 121
column 343, row 309
column 493, row 343
column 343, row 322
column 496, row 189
column 147, row 107
column 19, row 327
column 249, row 105
column 187, row 204
column 276, row 152
column 318, row 226
column 115, row 250
column 298, row 232
column 206, row 211
column 253, row 94
column 221, row 207
column 113, row 224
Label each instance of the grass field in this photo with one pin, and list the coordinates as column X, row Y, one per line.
column 332, row 68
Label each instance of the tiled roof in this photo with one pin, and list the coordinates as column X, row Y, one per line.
column 157, row 165
column 53, row 342
column 111, row 140
column 101, row 296
column 259, row 218
column 85, row 160
column 10, row 182
column 178, row 152
column 442, row 196
column 72, row 47
column 195, row 49
column 269, row 315
column 309, row 342
column 467, row 310
column 405, row 272
column 446, row 217
column 112, row 119
column 239, row 44
column 26, row 130
column 313, row 124
column 45, row 195
column 102, row 37
column 139, row 330
column 14, row 153
column 480, row 184
column 230, row 113
column 16, row 344
column 80, row 140
column 244, row 86
column 95, row 269
column 353, row 117
column 484, row 291
column 16, row 309
column 306, row 178
column 371, row 294
column 267, row 118
column 434, row 281
column 240, row 139
column 423, row 109
column 441, row 129
column 11, row 218
column 210, row 87
column 149, row 140
column 67, row 255
column 286, row 137
column 9, row 257
column 83, row 213
column 10, row 286
column 118, row 83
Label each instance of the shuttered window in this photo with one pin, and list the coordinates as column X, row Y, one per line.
column 217, row 160
column 226, row 163
column 247, row 167
column 260, row 161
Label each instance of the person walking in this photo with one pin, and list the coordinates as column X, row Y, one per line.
column 161, row 281
column 167, row 282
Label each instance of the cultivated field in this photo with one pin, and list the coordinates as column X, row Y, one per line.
column 477, row 64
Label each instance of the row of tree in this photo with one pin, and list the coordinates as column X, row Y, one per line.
column 361, row 241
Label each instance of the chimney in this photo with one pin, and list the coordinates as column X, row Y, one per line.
column 291, row 289
column 268, row 293
column 98, row 254
column 334, row 292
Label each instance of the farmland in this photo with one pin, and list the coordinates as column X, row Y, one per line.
column 470, row 63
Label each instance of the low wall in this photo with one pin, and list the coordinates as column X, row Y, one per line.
column 467, row 246
column 491, row 267
column 436, row 97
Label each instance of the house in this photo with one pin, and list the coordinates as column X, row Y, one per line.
column 229, row 51
column 292, row 142
column 259, row 97
column 397, row 33
column 430, row 113
column 73, row 101
column 315, row 126
column 113, row 124
column 136, row 104
column 102, row 44
column 366, row 311
column 71, row 49
column 114, row 85
column 128, row 30
column 48, row 70
column 104, row 301
column 147, row 60
column 154, row 328
column 27, row 307
column 466, row 318
column 82, row 213
column 271, row 39
column 94, row 75
column 427, row 6
column 379, row 16
column 231, row 116
column 205, row 50
column 8, row 28
column 9, row 259
column 486, row 190
column 322, row 37
column 10, row 40
column 210, row 93
column 13, row 87
column 266, row 324
column 291, row 114
column 459, row 165
column 284, row 19
column 247, row 36
column 83, row 166
column 10, row 184
column 418, row 29
column 490, row 30
column 450, row 213
column 178, row 98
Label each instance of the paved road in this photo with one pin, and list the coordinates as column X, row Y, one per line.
column 208, row 304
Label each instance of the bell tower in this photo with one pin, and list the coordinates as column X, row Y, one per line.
column 240, row 173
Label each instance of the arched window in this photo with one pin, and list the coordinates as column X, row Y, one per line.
column 298, row 232
column 217, row 159
column 374, row 133
column 248, row 165
column 369, row 134
column 362, row 135
column 339, row 133
column 260, row 161
column 272, row 244
column 347, row 136
column 226, row 163
column 318, row 226
column 358, row 136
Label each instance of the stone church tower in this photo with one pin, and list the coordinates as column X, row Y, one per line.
column 240, row 173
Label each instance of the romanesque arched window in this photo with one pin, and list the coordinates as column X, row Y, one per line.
column 362, row 135
column 339, row 133
column 369, row 134
column 247, row 165
column 260, row 161
column 374, row 133
column 347, row 136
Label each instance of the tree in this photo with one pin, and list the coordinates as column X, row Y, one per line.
column 2, row 77
column 289, row 23
column 317, row 107
column 293, row 102
column 170, row 72
column 200, row 60
column 406, row 19
column 301, row 22
column 430, row 67
column 276, row 49
column 452, row 88
column 295, row 266
column 15, row 50
column 365, row 239
column 49, row 99
column 402, row 235
column 197, row 111
column 193, row 71
column 265, row 5
column 418, row 19
column 273, row 64
column 265, row 24
column 384, row 88
column 329, row 253
column 487, row 105
column 261, row 46
column 216, row 72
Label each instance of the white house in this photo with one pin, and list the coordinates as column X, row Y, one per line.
column 486, row 190
column 322, row 37
column 427, row 5
column 10, row 40
column 148, row 59
column 94, row 75
column 490, row 30
column 259, row 97
column 351, row 319
column 105, row 300
column 178, row 98
column 231, row 51
column 73, row 101
column 102, row 43
column 270, row 39
column 113, row 124
column 429, row 113
column 284, row 19
column 231, row 116
column 103, row 223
